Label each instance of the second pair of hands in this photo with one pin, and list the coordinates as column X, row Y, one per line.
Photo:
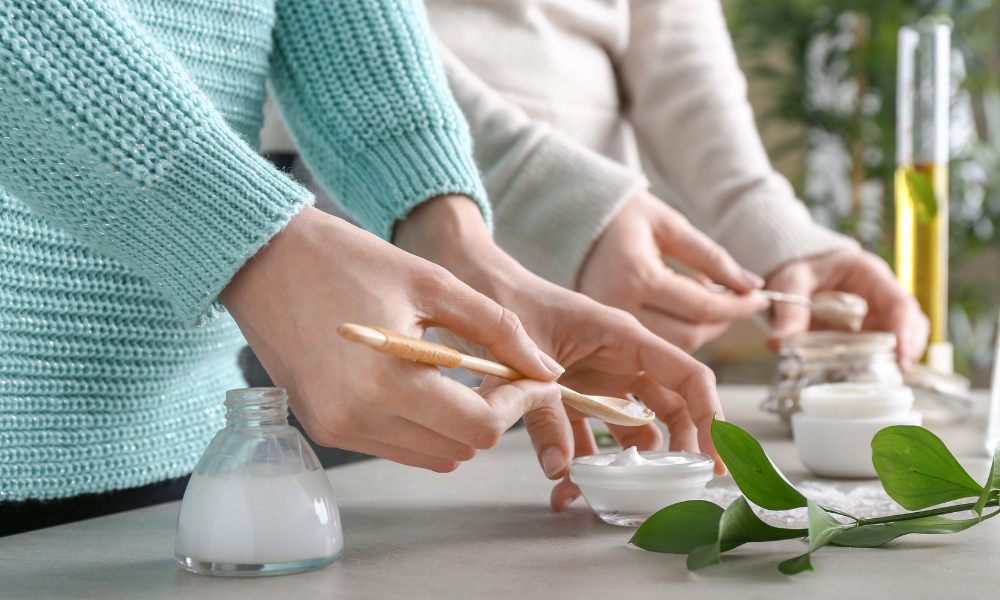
column 625, row 269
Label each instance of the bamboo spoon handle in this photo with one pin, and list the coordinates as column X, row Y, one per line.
column 429, row 353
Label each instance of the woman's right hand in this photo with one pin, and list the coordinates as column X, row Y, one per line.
column 320, row 272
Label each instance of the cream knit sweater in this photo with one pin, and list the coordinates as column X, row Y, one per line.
column 553, row 89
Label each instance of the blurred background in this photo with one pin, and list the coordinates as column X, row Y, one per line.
column 822, row 81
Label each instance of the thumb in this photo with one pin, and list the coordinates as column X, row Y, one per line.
column 477, row 319
column 789, row 318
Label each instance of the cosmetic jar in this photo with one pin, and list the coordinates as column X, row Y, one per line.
column 819, row 357
column 626, row 488
column 837, row 422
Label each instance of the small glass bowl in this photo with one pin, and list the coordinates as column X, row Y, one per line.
column 628, row 496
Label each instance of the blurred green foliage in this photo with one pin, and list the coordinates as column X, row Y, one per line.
column 866, row 123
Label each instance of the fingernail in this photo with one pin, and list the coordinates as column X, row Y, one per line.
column 752, row 279
column 553, row 462
column 555, row 368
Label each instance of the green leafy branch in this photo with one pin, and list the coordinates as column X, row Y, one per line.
column 915, row 467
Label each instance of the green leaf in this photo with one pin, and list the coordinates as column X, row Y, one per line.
column 703, row 556
column 992, row 489
column 755, row 474
column 823, row 529
column 680, row 528
column 921, row 191
column 872, row 536
column 917, row 469
column 738, row 525
column 797, row 564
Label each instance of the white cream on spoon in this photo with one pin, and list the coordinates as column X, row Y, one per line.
column 634, row 410
column 840, row 308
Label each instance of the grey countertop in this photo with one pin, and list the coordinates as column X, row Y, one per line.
column 486, row 531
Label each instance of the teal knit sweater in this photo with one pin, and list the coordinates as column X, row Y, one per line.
column 131, row 194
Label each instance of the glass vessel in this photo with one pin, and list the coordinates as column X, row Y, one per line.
column 921, row 180
column 628, row 495
column 838, row 357
column 830, row 357
column 993, row 418
column 258, row 503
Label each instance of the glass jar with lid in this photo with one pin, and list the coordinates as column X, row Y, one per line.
column 830, row 357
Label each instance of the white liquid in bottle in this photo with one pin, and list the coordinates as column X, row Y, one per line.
column 244, row 520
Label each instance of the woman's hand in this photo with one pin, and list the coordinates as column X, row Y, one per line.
column 321, row 272
column 606, row 351
column 858, row 272
column 625, row 269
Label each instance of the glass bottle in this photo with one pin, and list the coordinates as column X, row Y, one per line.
column 258, row 503
column 921, row 179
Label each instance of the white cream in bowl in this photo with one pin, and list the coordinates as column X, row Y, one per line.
column 834, row 431
column 627, row 487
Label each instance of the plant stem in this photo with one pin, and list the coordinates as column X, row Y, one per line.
column 926, row 513
column 830, row 509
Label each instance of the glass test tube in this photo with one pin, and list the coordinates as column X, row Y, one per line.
column 921, row 179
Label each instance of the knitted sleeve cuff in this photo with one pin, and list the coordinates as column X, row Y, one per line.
column 557, row 204
column 213, row 209
column 365, row 100
column 770, row 227
column 387, row 181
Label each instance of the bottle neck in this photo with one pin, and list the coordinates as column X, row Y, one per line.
column 256, row 407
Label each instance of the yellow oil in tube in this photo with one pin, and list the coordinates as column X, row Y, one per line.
column 921, row 181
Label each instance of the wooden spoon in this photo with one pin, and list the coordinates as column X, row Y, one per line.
column 836, row 308
column 607, row 409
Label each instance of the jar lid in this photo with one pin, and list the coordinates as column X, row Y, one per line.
column 816, row 345
column 596, row 471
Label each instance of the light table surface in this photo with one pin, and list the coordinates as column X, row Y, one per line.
column 486, row 531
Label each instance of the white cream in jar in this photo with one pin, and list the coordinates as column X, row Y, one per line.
column 627, row 487
column 836, row 425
